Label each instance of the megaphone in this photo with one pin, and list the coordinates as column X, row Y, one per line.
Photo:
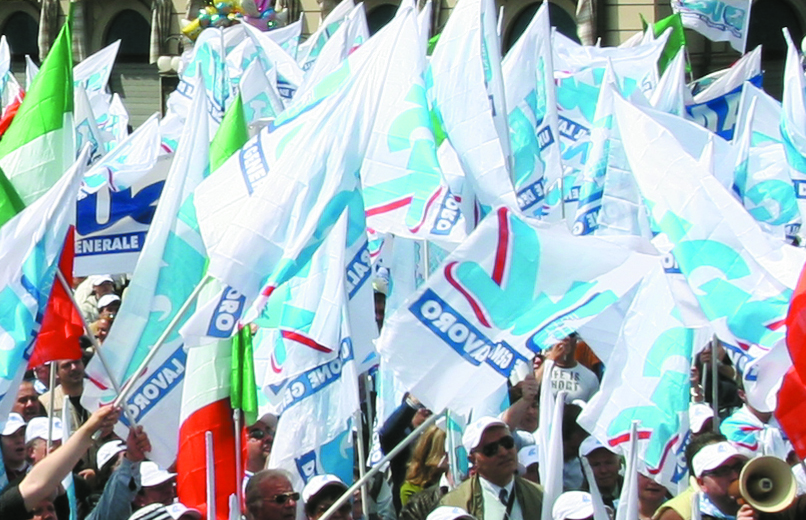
column 766, row 484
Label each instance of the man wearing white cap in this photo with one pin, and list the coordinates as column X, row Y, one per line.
column 573, row 505
column 89, row 291
column 494, row 492
column 12, row 440
column 158, row 485
column 175, row 511
column 259, row 440
column 605, row 466
column 449, row 513
column 36, row 438
column 108, row 306
column 320, row 493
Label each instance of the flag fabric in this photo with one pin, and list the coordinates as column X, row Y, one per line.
column 92, row 74
column 260, row 99
column 528, row 70
column 38, row 146
column 671, row 93
column 717, row 20
column 715, row 105
column 793, row 115
column 655, row 348
column 676, row 41
column 86, row 126
column 62, row 326
column 466, row 92
column 486, row 309
column 205, row 407
column 308, row 52
column 288, row 37
column 31, row 243
column 403, row 186
column 170, row 268
column 243, row 390
column 231, row 135
column 746, row 279
column 253, row 231
column 117, row 202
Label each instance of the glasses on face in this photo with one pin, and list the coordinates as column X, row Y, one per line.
column 258, row 434
column 282, row 498
column 491, row 448
column 725, row 471
column 343, row 510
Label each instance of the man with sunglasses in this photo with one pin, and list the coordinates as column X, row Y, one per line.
column 259, row 440
column 270, row 496
column 494, row 492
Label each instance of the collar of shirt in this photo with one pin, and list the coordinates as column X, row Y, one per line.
column 494, row 489
column 709, row 508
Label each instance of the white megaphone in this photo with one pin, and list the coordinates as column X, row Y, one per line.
column 766, row 484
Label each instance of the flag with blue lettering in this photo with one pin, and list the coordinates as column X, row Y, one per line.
column 259, row 234
column 742, row 278
column 170, row 268
column 511, row 289
column 793, row 118
column 717, row 20
column 308, row 52
column 716, row 102
column 117, row 201
column 528, row 70
column 762, row 181
column 314, row 434
column 466, row 92
column 31, row 243
column 647, row 380
column 404, row 189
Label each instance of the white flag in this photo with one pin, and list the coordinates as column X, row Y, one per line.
column 717, row 20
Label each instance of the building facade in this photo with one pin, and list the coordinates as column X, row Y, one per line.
column 149, row 28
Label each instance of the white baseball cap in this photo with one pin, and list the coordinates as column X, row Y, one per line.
column 526, row 457
column 714, row 455
column 107, row 451
column 153, row 475
column 106, row 299
column 38, row 429
column 698, row 414
column 449, row 513
column 102, row 278
column 177, row 509
column 472, row 436
column 318, row 483
column 589, row 445
column 572, row 505
column 13, row 423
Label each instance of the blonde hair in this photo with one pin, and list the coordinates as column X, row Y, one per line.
column 424, row 467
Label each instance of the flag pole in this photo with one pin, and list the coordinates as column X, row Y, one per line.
column 377, row 467
column 236, row 417
column 127, row 388
column 715, row 381
column 210, row 471
column 94, row 341
column 362, row 458
column 52, row 388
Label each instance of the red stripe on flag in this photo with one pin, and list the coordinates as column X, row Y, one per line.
column 792, row 409
column 473, row 303
column 503, row 244
column 61, row 324
column 796, row 328
column 191, row 459
column 305, row 340
column 389, row 207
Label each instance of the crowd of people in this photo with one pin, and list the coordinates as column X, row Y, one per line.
column 112, row 478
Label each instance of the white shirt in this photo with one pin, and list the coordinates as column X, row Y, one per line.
column 494, row 509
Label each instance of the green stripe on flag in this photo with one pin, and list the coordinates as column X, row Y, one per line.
column 49, row 98
column 676, row 41
column 243, row 389
column 232, row 134
column 10, row 202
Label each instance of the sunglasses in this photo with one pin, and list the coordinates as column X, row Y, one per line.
column 258, row 434
column 282, row 498
column 725, row 471
column 490, row 449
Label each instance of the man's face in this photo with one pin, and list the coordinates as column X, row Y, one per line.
column 14, row 448
column 649, row 490
column 37, row 450
column 102, row 328
column 71, row 371
column 27, row 403
column 276, row 504
column 44, row 511
column 530, row 418
column 343, row 513
column 259, row 439
column 42, row 372
column 492, row 461
column 163, row 493
column 715, row 483
column 605, row 465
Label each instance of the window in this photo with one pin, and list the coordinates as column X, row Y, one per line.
column 560, row 19
column 134, row 32
column 21, row 32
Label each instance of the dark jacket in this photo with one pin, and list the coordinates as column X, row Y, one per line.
column 468, row 496
column 422, row 503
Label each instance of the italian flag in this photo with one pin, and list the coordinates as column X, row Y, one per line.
column 38, row 146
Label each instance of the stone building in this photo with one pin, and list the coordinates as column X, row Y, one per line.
column 149, row 28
